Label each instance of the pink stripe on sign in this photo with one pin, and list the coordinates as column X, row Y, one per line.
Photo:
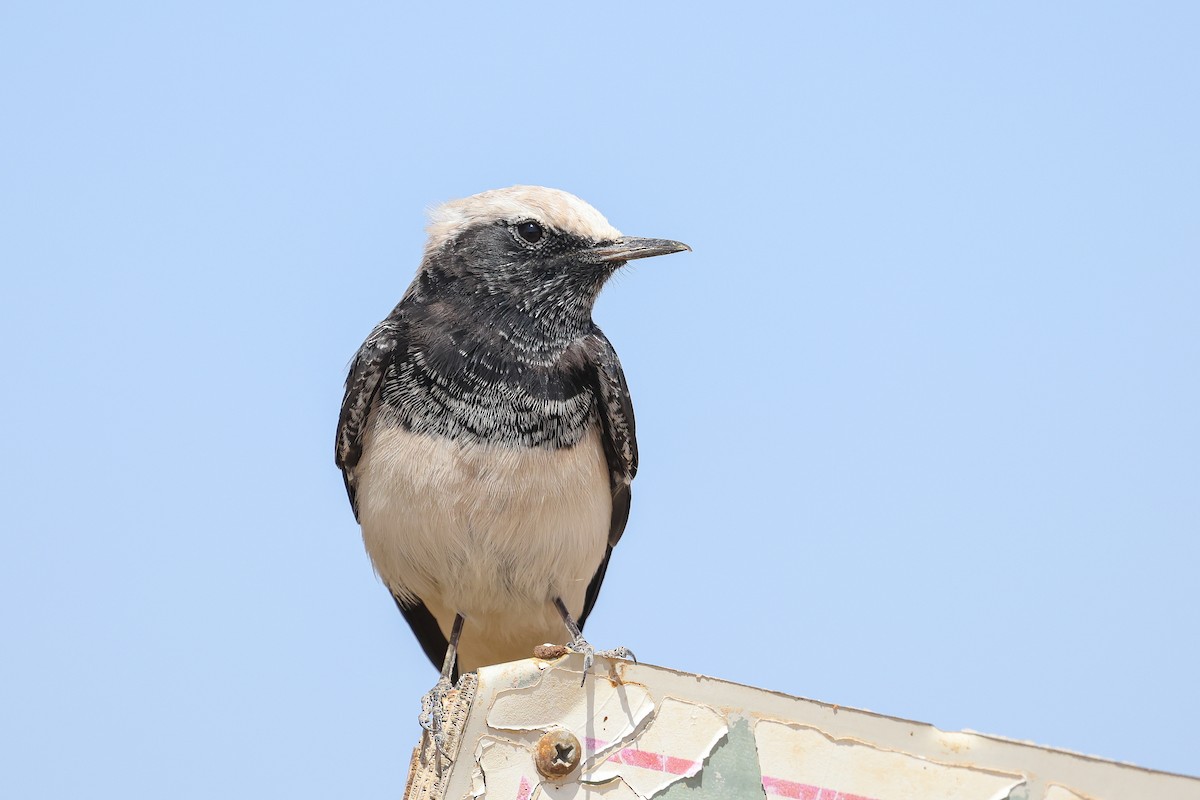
column 803, row 791
column 654, row 761
column 644, row 759
column 525, row 789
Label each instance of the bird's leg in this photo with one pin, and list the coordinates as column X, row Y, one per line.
column 432, row 712
column 581, row 645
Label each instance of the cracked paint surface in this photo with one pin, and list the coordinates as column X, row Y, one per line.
column 632, row 747
column 672, row 747
column 1062, row 793
column 645, row 733
column 806, row 763
column 601, row 712
column 505, row 770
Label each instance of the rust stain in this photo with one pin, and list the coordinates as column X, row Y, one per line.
column 558, row 754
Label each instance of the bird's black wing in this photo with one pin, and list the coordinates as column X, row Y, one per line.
column 620, row 447
column 363, row 386
column 425, row 628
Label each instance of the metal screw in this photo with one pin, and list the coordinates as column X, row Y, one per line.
column 558, row 753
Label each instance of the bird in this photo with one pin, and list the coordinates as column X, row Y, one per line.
column 486, row 436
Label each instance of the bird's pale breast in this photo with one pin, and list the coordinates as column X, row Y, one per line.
column 491, row 531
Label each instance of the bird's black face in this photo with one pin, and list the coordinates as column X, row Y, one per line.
column 536, row 262
column 538, row 265
column 522, row 267
column 523, row 273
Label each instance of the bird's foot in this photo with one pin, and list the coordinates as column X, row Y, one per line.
column 581, row 645
column 433, row 704
column 433, row 715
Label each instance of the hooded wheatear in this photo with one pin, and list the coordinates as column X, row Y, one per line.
column 487, row 437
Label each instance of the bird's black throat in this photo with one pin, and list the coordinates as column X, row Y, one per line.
column 496, row 356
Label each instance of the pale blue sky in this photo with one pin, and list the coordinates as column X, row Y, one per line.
column 919, row 417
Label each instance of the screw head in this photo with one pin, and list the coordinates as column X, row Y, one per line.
column 558, row 753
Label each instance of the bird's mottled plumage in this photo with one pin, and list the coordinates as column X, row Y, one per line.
column 487, row 437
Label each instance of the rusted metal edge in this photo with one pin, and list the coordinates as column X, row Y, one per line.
column 429, row 772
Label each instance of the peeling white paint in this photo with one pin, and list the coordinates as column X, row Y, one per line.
column 601, row 714
column 671, row 748
column 803, row 762
column 630, row 746
column 505, row 771
column 644, row 731
column 1063, row 793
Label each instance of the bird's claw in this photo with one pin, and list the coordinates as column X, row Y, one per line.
column 581, row 645
column 432, row 716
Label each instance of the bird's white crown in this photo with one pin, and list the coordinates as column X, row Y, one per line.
column 554, row 208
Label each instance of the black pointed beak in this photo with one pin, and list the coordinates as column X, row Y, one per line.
column 627, row 248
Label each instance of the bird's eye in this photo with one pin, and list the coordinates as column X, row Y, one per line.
column 530, row 231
